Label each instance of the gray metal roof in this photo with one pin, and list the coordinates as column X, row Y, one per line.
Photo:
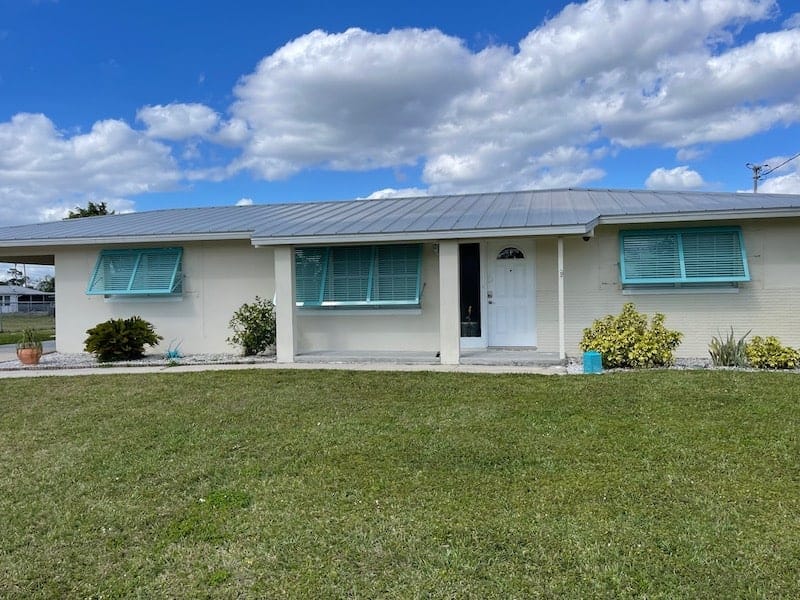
column 18, row 290
column 541, row 212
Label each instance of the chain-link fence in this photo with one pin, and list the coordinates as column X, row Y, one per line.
column 10, row 305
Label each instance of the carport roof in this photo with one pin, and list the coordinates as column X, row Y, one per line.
column 537, row 212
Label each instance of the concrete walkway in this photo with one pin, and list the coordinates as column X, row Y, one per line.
column 350, row 363
column 34, row 372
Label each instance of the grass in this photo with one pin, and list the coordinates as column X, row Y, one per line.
column 362, row 485
column 12, row 324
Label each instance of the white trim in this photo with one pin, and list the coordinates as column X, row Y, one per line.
column 118, row 299
column 562, row 345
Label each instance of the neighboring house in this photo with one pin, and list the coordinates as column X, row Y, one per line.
column 15, row 298
column 433, row 274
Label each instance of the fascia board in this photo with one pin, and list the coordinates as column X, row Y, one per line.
column 127, row 239
column 728, row 215
column 419, row 236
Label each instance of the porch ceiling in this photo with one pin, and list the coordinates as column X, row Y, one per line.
column 30, row 259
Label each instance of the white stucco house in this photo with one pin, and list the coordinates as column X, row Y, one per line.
column 436, row 274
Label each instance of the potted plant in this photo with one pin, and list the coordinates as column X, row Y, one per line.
column 29, row 348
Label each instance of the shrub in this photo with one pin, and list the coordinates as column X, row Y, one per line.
column 253, row 326
column 120, row 339
column 768, row 353
column 627, row 340
column 728, row 352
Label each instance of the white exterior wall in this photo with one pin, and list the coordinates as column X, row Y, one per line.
column 377, row 329
column 769, row 304
column 218, row 278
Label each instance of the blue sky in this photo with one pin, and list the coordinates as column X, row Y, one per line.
column 151, row 105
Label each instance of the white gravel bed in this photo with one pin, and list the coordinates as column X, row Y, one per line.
column 575, row 365
column 59, row 360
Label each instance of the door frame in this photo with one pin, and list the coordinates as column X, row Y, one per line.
column 483, row 340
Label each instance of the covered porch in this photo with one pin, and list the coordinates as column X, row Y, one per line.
column 452, row 348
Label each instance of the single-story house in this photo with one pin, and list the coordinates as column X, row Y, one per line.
column 435, row 274
column 16, row 298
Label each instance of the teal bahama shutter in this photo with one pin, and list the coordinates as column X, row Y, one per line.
column 137, row 272
column 353, row 276
column 669, row 256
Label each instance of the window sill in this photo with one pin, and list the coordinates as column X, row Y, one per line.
column 146, row 299
column 357, row 312
column 670, row 291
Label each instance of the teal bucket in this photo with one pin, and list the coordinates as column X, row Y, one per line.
column 592, row 362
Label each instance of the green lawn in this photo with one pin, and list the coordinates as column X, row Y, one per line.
column 303, row 484
column 12, row 324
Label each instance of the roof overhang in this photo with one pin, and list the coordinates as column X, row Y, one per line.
column 126, row 239
column 716, row 215
column 420, row 236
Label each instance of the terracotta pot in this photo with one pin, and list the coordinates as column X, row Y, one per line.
column 29, row 356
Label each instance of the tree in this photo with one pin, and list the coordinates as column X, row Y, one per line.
column 16, row 277
column 47, row 284
column 91, row 210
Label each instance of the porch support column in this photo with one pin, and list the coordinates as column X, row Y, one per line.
column 562, row 346
column 449, row 314
column 285, row 339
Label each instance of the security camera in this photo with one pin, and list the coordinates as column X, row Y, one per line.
column 589, row 235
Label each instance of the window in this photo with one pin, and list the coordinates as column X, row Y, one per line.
column 365, row 276
column 678, row 256
column 137, row 272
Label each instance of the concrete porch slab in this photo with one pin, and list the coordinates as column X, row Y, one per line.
column 487, row 357
column 367, row 357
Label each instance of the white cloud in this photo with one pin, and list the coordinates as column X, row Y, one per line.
column 781, row 184
column 792, row 21
column 178, row 121
column 353, row 100
column 396, row 193
column 693, row 153
column 679, row 178
column 600, row 75
column 44, row 173
column 244, row 202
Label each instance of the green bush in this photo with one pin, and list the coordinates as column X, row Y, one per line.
column 627, row 340
column 728, row 352
column 768, row 353
column 120, row 339
column 253, row 326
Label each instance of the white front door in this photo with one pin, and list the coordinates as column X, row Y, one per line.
column 511, row 294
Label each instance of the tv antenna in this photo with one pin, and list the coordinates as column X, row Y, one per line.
column 759, row 172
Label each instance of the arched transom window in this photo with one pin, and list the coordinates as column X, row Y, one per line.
column 510, row 253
